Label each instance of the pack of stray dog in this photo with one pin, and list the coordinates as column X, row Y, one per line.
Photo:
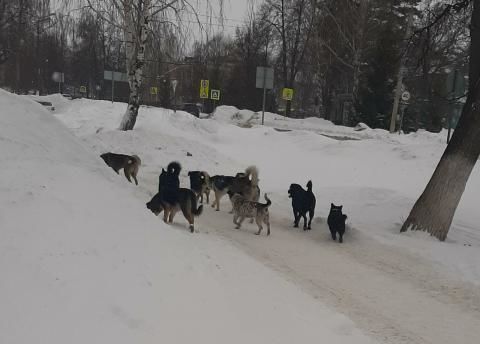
column 243, row 191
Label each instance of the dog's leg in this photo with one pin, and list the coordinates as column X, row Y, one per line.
column 334, row 234
column 267, row 222
column 166, row 212
column 127, row 174
column 239, row 222
column 311, row 214
column 259, row 220
column 235, row 217
column 190, row 220
column 172, row 215
column 304, row 221
column 207, row 193
column 134, row 175
column 217, row 200
column 296, row 214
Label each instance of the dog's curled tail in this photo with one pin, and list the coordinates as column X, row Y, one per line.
column 137, row 159
column 309, row 185
column 252, row 171
column 174, row 168
column 268, row 201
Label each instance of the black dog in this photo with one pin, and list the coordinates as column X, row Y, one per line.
column 169, row 183
column 200, row 184
column 302, row 202
column 336, row 222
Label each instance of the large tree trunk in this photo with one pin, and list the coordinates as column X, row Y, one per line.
column 136, row 41
column 434, row 210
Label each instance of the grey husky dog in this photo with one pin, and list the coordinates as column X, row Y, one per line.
column 243, row 208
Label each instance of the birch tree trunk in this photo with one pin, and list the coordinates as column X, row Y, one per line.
column 136, row 32
column 434, row 210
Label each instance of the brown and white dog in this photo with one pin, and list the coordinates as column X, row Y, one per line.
column 244, row 183
column 129, row 163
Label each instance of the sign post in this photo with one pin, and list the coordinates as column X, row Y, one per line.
column 58, row 77
column 174, row 86
column 215, row 96
column 264, row 79
column 204, row 84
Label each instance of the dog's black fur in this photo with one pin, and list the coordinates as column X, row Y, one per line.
column 220, row 186
column 169, row 183
column 186, row 201
column 302, row 202
column 336, row 222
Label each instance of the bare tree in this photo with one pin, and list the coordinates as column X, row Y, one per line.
column 134, row 18
column 293, row 21
column 434, row 210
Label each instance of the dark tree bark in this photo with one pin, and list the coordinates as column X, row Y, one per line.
column 434, row 210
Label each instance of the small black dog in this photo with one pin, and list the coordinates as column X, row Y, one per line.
column 302, row 202
column 169, row 183
column 336, row 222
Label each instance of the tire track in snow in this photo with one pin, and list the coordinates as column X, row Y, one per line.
column 392, row 295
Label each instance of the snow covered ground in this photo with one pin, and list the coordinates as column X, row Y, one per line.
column 83, row 261
column 97, row 264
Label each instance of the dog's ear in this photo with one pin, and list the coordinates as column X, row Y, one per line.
column 341, row 207
column 163, row 170
column 189, row 172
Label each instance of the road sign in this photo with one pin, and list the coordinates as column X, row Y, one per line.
column 287, row 94
column 174, row 83
column 116, row 76
column 58, row 77
column 153, row 90
column 215, row 94
column 204, row 89
column 83, row 89
column 406, row 96
column 264, row 75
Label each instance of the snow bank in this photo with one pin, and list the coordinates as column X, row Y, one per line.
column 83, row 261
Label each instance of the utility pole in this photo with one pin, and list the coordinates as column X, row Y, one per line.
column 401, row 71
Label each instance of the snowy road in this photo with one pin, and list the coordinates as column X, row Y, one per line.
column 391, row 295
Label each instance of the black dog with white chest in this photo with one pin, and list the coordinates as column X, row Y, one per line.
column 303, row 202
column 336, row 222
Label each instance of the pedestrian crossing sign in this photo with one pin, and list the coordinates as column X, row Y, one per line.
column 204, row 89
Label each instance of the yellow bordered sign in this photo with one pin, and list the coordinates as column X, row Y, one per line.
column 204, row 89
column 287, row 94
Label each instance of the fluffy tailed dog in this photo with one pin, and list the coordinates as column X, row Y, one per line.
column 200, row 184
column 169, row 182
column 171, row 198
column 336, row 222
column 129, row 163
column 243, row 208
column 244, row 183
column 186, row 201
column 303, row 202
